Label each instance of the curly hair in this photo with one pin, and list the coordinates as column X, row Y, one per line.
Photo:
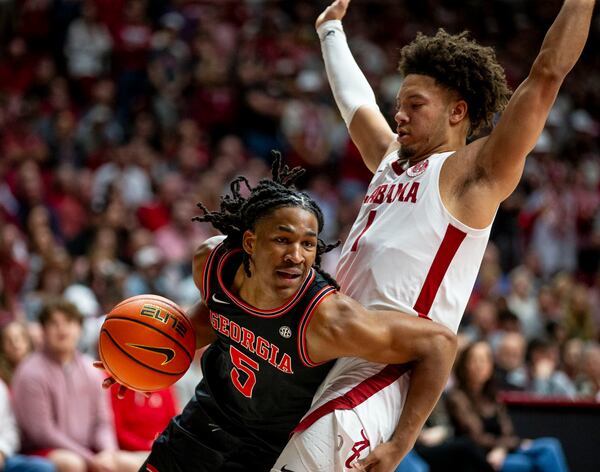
column 238, row 214
column 460, row 64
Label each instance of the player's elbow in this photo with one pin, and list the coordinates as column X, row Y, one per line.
column 549, row 69
column 442, row 344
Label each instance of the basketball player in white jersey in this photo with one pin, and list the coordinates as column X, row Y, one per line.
column 418, row 241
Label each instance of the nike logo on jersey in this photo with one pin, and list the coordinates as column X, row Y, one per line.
column 285, row 469
column 215, row 427
column 217, row 300
column 165, row 351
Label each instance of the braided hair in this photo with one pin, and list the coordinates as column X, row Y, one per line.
column 238, row 214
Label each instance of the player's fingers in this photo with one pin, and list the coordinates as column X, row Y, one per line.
column 121, row 392
column 98, row 364
column 359, row 466
column 108, row 382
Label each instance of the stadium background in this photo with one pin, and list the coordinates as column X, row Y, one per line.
column 117, row 116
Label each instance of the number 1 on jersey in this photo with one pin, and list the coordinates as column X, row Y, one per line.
column 370, row 220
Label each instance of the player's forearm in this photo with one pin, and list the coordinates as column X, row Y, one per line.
column 427, row 381
column 565, row 39
column 350, row 87
column 199, row 315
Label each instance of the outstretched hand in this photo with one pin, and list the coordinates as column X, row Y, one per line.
column 335, row 11
column 110, row 381
column 384, row 458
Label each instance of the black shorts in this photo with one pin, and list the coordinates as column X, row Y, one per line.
column 195, row 442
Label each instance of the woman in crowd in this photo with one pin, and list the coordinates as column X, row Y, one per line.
column 475, row 413
column 15, row 345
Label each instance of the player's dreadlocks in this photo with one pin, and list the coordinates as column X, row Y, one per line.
column 238, row 214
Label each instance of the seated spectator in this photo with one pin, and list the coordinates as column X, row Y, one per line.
column 475, row 413
column 437, row 447
column 544, row 376
column 140, row 418
column 579, row 321
column 148, row 276
column 591, row 369
column 15, row 345
column 9, row 442
column 59, row 402
column 572, row 360
column 511, row 373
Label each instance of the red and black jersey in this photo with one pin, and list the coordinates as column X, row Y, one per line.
column 258, row 372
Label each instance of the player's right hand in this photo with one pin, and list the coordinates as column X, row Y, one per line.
column 110, row 381
column 335, row 11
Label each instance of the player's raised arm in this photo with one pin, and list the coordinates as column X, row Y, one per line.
column 502, row 157
column 353, row 94
column 342, row 327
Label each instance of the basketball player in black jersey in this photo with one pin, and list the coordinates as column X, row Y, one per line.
column 275, row 322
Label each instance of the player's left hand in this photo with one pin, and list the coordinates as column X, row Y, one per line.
column 384, row 458
column 110, row 381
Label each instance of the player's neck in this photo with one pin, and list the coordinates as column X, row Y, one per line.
column 252, row 292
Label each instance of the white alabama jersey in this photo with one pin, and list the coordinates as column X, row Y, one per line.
column 405, row 252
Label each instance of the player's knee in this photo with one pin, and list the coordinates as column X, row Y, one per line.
column 67, row 461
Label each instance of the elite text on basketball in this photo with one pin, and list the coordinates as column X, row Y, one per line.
column 165, row 317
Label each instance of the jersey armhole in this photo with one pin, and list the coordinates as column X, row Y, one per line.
column 205, row 289
column 305, row 321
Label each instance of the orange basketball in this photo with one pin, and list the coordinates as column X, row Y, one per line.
column 147, row 343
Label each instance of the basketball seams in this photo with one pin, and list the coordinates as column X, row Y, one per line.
column 118, row 346
column 141, row 373
column 189, row 356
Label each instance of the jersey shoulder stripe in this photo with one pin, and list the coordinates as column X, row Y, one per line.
column 305, row 321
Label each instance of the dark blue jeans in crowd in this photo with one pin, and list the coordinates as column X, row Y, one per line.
column 21, row 463
column 543, row 455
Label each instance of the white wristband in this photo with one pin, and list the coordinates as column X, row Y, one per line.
column 350, row 87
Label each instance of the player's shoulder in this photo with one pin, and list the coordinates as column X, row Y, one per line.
column 206, row 247
column 201, row 255
column 336, row 308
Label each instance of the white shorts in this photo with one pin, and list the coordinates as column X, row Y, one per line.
column 341, row 429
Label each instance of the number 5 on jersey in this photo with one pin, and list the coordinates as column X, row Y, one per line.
column 248, row 366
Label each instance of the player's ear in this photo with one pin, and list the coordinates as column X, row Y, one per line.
column 248, row 241
column 458, row 112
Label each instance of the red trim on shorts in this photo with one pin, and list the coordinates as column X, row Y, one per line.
column 446, row 252
column 357, row 395
column 151, row 468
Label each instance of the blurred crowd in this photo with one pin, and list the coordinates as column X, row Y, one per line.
column 118, row 116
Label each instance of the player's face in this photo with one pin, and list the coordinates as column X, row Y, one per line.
column 61, row 334
column 422, row 109
column 282, row 249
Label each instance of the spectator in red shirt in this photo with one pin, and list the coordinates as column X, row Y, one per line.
column 139, row 419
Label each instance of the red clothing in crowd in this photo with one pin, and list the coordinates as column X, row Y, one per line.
column 138, row 420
